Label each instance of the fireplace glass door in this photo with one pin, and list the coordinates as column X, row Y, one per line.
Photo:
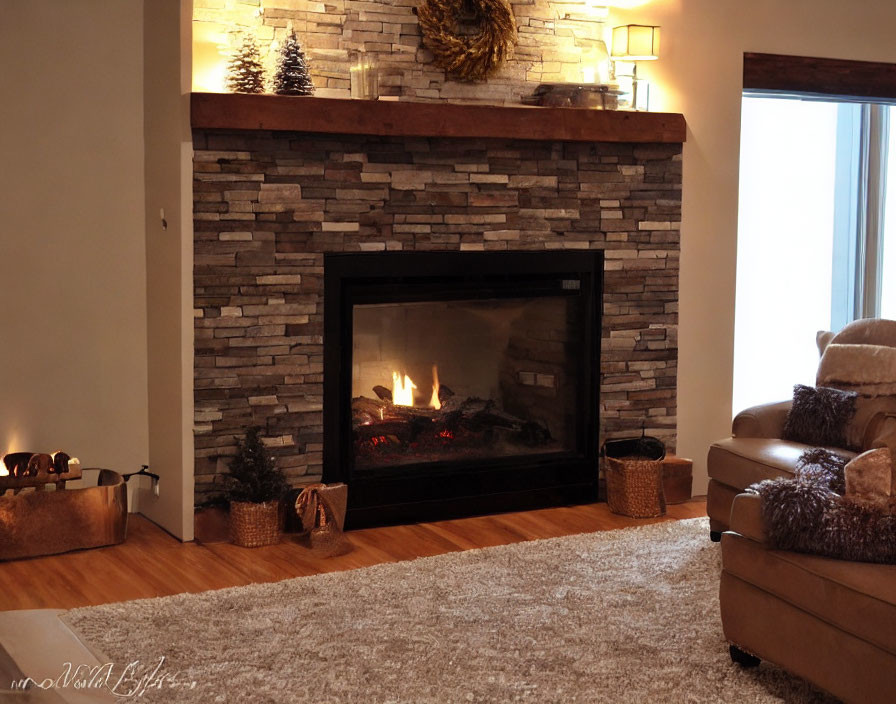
column 457, row 383
column 462, row 380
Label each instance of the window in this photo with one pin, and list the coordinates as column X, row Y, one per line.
column 785, row 242
column 888, row 245
column 815, row 246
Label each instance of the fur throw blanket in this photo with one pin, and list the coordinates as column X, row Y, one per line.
column 809, row 513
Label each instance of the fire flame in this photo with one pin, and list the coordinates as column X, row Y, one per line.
column 434, row 401
column 402, row 390
column 4, row 471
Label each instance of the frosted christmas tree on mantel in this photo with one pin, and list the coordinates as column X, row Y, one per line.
column 292, row 77
column 245, row 74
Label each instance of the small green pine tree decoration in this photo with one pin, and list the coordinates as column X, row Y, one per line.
column 245, row 74
column 253, row 476
column 292, row 77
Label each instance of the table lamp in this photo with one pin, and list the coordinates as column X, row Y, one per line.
column 636, row 42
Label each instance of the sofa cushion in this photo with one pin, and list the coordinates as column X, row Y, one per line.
column 857, row 597
column 740, row 462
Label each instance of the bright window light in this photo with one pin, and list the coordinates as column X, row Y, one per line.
column 785, row 240
column 888, row 268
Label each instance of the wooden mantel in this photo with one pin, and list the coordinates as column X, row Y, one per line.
column 394, row 118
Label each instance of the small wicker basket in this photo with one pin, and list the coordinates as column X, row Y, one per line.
column 253, row 525
column 635, row 487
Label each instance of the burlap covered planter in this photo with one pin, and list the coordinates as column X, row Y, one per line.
column 253, row 525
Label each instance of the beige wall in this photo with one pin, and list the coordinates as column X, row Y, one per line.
column 700, row 75
column 169, row 262
column 88, row 269
column 73, row 289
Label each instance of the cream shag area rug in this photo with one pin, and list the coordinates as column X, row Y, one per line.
column 621, row 616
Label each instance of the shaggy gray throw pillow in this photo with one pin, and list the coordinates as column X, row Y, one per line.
column 823, row 467
column 819, row 416
column 808, row 514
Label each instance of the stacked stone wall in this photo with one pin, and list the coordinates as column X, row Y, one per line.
column 555, row 42
column 268, row 205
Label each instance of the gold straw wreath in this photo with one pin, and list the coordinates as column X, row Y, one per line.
column 474, row 57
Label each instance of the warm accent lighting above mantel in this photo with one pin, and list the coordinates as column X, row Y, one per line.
column 403, row 118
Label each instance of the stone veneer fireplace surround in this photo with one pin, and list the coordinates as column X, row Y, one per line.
column 279, row 182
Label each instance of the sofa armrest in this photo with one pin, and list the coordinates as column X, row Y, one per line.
column 746, row 517
column 765, row 421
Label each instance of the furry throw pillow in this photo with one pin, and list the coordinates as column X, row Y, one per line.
column 822, row 467
column 806, row 517
column 819, row 416
column 806, row 514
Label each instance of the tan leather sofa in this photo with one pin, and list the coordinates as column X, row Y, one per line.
column 831, row 622
column 755, row 451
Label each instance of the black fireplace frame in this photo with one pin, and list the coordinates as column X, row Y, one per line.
column 433, row 491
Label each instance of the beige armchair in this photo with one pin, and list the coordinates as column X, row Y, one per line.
column 831, row 622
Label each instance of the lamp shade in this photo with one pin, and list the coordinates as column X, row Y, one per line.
column 636, row 42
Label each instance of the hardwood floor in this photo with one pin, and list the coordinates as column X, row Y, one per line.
column 152, row 563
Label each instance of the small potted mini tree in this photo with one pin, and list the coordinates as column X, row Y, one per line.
column 254, row 487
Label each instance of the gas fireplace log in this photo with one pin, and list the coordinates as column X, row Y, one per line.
column 383, row 393
column 484, row 411
column 403, row 432
column 444, row 393
column 408, row 413
column 475, row 419
column 368, row 409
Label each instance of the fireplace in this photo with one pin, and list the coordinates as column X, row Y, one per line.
column 281, row 183
column 460, row 383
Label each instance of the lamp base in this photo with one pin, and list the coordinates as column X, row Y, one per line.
column 634, row 91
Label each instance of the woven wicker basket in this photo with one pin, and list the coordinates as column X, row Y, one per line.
column 635, row 487
column 254, row 525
